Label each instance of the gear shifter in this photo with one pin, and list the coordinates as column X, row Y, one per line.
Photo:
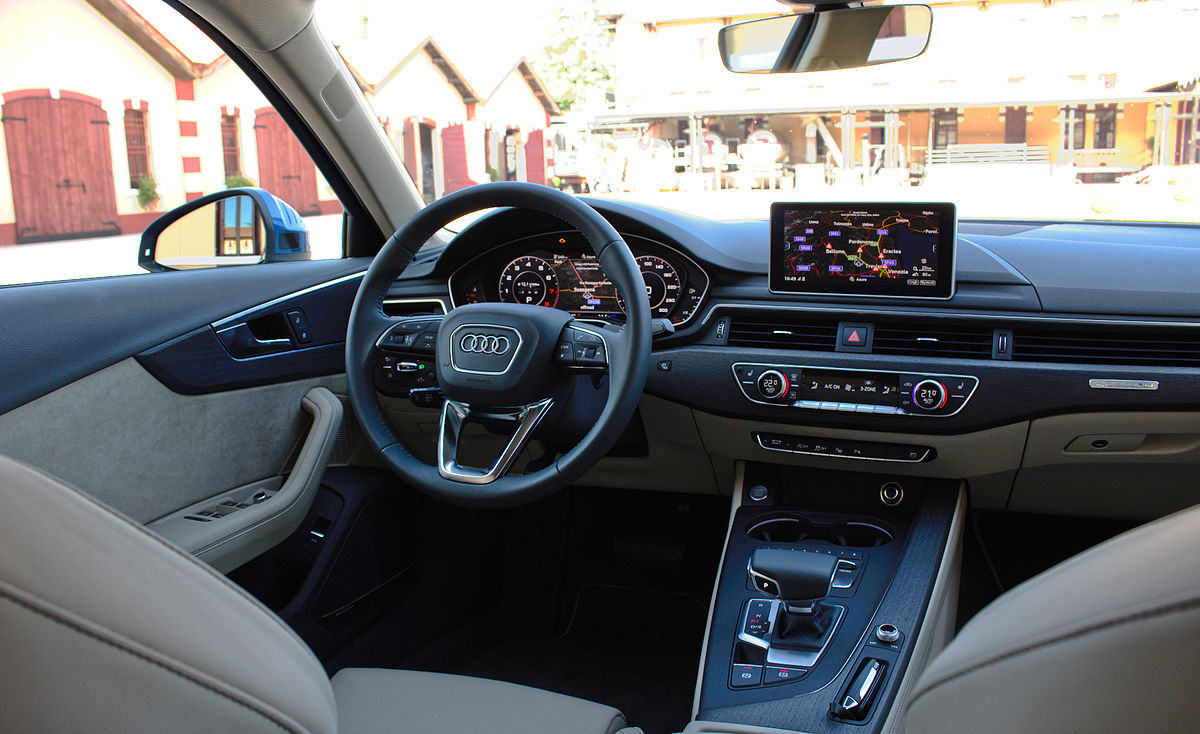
column 800, row 580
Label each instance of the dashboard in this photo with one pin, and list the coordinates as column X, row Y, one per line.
column 559, row 270
column 1061, row 372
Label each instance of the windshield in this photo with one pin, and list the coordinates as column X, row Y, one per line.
column 1070, row 110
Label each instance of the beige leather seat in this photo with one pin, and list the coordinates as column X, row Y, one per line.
column 1108, row 641
column 105, row 627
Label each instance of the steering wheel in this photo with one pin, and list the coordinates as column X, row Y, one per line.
column 504, row 364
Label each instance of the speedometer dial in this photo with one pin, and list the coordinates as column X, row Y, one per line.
column 662, row 285
column 529, row 280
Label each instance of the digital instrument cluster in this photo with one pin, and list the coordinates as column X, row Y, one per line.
column 559, row 270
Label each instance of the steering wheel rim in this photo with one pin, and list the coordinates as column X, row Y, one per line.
column 628, row 348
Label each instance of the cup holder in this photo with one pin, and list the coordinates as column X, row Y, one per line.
column 782, row 530
column 795, row 528
column 858, row 534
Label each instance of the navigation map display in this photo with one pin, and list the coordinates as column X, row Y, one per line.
column 898, row 249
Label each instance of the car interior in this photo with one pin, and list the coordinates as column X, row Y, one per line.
column 470, row 479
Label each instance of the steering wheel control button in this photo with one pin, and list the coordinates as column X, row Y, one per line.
column 929, row 395
column 772, row 384
column 426, row 397
column 585, row 337
column 580, row 350
column 774, row 676
column 745, row 676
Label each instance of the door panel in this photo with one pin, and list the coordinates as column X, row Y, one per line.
column 80, row 405
column 122, row 437
column 55, row 333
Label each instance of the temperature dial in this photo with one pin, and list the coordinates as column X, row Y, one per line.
column 929, row 395
column 772, row 384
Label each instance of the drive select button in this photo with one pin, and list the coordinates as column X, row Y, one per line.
column 772, row 676
column 744, row 676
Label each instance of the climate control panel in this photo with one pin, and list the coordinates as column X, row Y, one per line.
column 877, row 392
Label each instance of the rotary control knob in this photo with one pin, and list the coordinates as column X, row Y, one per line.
column 929, row 395
column 772, row 384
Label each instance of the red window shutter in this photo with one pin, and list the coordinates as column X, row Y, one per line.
column 535, row 157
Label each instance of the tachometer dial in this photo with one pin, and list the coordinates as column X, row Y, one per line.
column 529, row 280
column 662, row 285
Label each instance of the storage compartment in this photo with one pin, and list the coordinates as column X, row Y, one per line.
column 794, row 528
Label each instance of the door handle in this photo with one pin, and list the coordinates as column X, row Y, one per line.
column 242, row 343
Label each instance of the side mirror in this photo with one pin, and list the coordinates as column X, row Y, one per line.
column 232, row 227
column 825, row 40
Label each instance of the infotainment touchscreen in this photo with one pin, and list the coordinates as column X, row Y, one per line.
column 898, row 249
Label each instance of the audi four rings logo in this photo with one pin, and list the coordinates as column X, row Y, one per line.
column 483, row 344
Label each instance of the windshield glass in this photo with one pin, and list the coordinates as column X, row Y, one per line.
column 1084, row 109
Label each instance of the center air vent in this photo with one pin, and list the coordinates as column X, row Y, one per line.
column 776, row 333
column 955, row 342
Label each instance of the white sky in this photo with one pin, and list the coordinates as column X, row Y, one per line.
column 178, row 29
column 482, row 39
column 485, row 38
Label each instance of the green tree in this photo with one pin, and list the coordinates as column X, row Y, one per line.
column 579, row 63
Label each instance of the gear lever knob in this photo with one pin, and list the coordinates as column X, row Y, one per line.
column 799, row 578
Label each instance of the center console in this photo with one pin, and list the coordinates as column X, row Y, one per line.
column 824, row 586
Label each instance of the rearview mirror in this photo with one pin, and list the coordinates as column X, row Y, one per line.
column 232, row 227
column 825, row 40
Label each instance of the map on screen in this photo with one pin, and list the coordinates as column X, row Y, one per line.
column 858, row 249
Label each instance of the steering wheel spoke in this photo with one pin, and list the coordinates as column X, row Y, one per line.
column 455, row 416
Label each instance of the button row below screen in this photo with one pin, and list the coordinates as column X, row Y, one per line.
column 844, row 448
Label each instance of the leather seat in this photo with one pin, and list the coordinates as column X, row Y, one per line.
column 1107, row 641
column 106, row 627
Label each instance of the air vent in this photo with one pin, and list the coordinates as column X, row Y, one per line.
column 1091, row 345
column 934, row 340
column 413, row 307
column 782, row 333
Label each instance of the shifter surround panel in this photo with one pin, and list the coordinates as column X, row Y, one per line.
column 890, row 583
